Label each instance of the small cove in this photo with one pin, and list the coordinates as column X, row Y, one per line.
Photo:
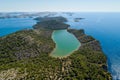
column 66, row 43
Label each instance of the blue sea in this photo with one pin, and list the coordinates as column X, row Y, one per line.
column 8, row 26
column 105, row 27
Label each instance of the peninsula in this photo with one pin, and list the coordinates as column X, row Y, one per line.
column 25, row 55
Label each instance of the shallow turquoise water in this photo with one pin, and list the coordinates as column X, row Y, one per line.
column 66, row 43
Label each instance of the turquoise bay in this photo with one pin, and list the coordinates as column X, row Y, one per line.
column 66, row 43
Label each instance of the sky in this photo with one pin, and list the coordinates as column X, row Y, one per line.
column 60, row 5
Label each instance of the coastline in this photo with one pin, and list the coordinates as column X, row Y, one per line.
column 88, row 59
column 93, row 43
column 98, row 45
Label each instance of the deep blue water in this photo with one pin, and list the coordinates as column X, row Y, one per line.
column 11, row 25
column 105, row 27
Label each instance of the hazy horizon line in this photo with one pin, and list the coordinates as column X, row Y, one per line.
column 51, row 11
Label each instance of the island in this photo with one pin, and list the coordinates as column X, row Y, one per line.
column 25, row 55
column 78, row 19
column 8, row 15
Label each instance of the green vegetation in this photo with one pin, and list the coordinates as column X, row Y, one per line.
column 24, row 55
column 25, row 44
column 59, row 19
column 51, row 24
